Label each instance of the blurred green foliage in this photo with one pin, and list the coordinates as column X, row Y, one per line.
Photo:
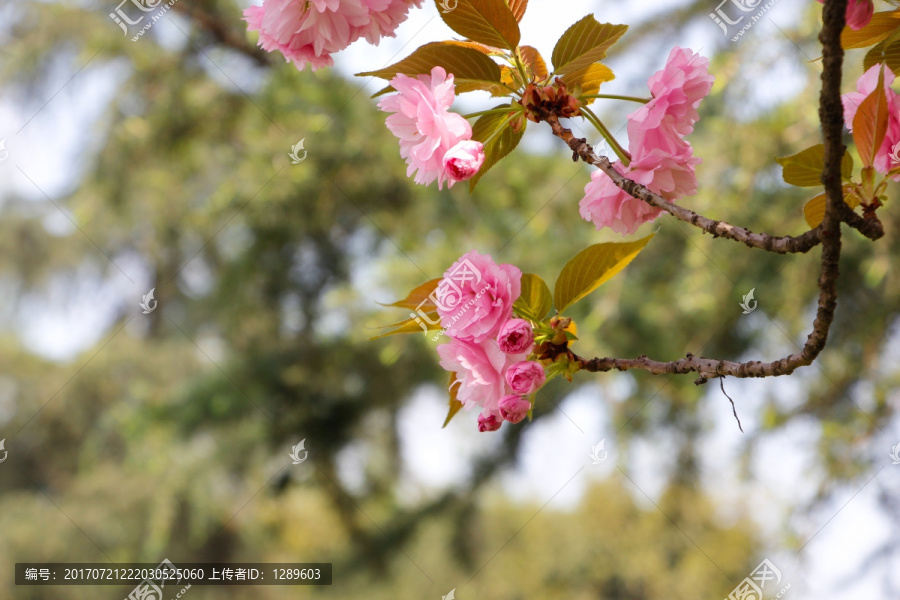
column 168, row 437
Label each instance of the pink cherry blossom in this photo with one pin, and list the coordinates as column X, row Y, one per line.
column 661, row 159
column 526, row 377
column 307, row 32
column 516, row 337
column 476, row 297
column 676, row 92
column 463, row 160
column 514, row 408
column 607, row 205
column 386, row 15
column 424, row 125
column 865, row 85
column 859, row 13
column 489, row 422
column 480, row 372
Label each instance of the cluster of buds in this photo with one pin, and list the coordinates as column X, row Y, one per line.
column 540, row 101
column 552, row 347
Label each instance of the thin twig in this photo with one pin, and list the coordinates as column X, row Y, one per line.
column 733, row 409
column 223, row 32
column 828, row 233
column 781, row 245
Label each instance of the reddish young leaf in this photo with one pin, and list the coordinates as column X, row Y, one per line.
column 518, row 8
column 534, row 62
column 871, row 122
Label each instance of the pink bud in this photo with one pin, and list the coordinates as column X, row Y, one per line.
column 516, row 337
column 526, row 377
column 488, row 422
column 463, row 160
column 859, row 13
column 514, row 408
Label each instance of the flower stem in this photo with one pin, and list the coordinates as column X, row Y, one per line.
column 521, row 68
column 596, row 122
column 500, row 129
column 492, row 111
column 615, row 97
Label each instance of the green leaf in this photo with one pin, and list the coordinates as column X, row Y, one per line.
column 585, row 43
column 490, row 22
column 592, row 267
column 878, row 29
column 471, row 69
column 534, row 302
column 455, row 404
column 588, row 80
column 804, row 169
column 814, row 209
column 884, row 52
column 499, row 145
column 846, row 166
column 418, row 296
column 518, row 8
column 871, row 122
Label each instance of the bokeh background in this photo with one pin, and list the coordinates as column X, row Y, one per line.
column 163, row 164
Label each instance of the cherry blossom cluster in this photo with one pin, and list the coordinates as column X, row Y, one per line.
column 886, row 158
column 308, row 32
column 660, row 159
column 434, row 141
column 488, row 348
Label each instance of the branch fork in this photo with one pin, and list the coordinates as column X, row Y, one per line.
column 828, row 234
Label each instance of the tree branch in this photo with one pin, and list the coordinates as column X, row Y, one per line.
column 780, row 245
column 223, row 33
column 831, row 119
